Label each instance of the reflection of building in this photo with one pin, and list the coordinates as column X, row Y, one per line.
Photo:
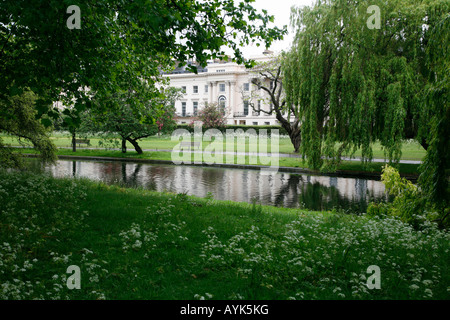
column 224, row 83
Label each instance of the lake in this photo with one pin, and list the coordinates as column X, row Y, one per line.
column 313, row 192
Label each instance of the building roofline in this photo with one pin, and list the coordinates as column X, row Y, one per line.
column 203, row 74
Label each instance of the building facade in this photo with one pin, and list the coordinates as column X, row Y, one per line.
column 227, row 84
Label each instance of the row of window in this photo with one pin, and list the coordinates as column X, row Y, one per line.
column 222, row 104
column 194, row 90
column 222, row 88
column 183, row 108
column 242, row 122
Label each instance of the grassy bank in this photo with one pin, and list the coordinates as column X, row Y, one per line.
column 136, row 244
column 354, row 166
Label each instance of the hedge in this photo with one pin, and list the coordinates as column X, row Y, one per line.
column 269, row 129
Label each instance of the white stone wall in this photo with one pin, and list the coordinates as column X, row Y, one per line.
column 228, row 76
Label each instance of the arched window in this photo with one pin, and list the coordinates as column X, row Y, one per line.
column 222, row 103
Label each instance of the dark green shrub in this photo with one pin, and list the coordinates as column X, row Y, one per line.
column 378, row 209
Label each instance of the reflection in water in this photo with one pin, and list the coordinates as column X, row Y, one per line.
column 279, row 189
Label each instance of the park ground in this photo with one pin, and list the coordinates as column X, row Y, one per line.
column 160, row 147
column 138, row 244
column 411, row 150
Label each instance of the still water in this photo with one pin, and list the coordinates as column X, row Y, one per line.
column 278, row 189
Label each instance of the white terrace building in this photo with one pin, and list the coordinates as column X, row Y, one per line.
column 225, row 84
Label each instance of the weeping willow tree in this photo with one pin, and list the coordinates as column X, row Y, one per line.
column 353, row 84
column 435, row 176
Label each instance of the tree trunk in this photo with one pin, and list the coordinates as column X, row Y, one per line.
column 124, row 145
column 424, row 144
column 294, row 132
column 135, row 145
column 296, row 139
column 124, row 172
column 74, row 144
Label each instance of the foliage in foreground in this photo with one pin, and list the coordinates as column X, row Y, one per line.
column 411, row 204
column 18, row 117
column 135, row 244
column 119, row 47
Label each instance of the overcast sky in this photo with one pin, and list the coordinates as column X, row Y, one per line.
column 281, row 10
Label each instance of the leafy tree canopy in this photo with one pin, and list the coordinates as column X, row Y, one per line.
column 133, row 123
column 118, row 42
column 19, row 120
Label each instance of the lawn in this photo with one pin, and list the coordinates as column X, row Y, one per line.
column 137, row 244
column 411, row 150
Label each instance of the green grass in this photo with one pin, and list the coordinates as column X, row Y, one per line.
column 137, row 244
column 351, row 166
column 411, row 150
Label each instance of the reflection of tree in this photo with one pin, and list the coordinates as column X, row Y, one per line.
column 131, row 180
column 34, row 165
column 282, row 198
column 157, row 172
column 213, row 180
column 316, row 196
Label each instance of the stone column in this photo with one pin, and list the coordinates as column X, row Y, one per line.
column 214, row 92
column 231, row 96
column 229, row 106
column 210, row 91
